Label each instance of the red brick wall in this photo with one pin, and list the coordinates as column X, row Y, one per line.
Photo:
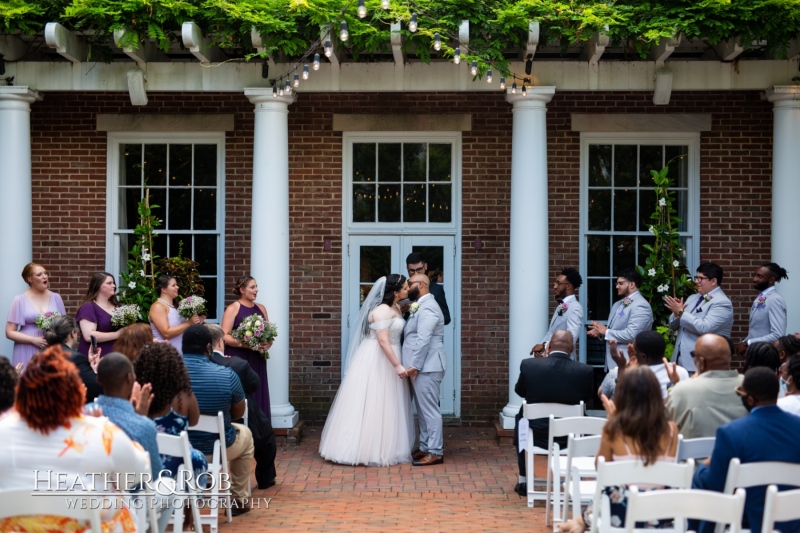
column 69, row 176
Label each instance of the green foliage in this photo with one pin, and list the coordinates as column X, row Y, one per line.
column 138, row 283
column 185, row 272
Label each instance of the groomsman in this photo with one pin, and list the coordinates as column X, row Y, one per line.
column 416, row 264
column 569, row 311
column 708, row 311
column 768, row 312
column 630, row 315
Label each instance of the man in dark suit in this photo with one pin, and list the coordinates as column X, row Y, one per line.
column 768, row 433
column 259, row 423
column 553, row 379
column 416, row 265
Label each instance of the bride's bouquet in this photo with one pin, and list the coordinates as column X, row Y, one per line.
column 125, row 315
column 192, row 305
column 43, row 320
column 255, row 331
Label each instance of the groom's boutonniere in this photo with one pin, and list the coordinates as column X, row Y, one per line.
column 625, row 303
column 561, row 308
column 707, row 298
column 761, row 302
column 413, row 309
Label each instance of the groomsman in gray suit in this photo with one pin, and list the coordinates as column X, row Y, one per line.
column 425, row 361
column 768, row 312
column 569, row 312
column 708, row 311
column 630, row 315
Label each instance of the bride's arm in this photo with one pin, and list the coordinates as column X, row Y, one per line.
column 383, row 314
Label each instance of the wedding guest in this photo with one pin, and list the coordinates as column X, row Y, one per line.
column 416, row 264
column 569, row 311
column 64, row 332
column 174, row 405
column 8, row 382
column 94, row 315
column 790, row 377
column 787, row 346
column 132, row 339
column 21, row 325
column 246, row 290
column 762, row 354
column 768, row 312
column 49, row 433
column 165, row 321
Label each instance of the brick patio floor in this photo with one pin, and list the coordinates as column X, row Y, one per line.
column 471, row 491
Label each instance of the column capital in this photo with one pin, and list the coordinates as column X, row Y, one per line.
column 536, row 97
column 263, row 95
column 784, row 95
column 18, row 97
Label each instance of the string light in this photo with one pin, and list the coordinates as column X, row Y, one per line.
column 274, row 92
column 305, row 71
column 437, row 42
column 489, row 76
column 474, row 68
column 328, row 48
column 457, row 55
column 412, row 25
column 362, row 9
column 316, row 61
column 343, row 33
column 280, row 90
column 288, row 88
column 385, row 4
column 514, row 88
column 502, row 83
column 296, row 79
column 524, row 90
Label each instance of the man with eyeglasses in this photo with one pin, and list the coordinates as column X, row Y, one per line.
column 708, row 311
column 630, row 315
column 569, row 311
column 416, row 264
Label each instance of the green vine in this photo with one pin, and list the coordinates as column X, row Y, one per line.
column 138, row 283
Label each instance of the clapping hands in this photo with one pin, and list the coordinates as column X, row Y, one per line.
column 141, row 396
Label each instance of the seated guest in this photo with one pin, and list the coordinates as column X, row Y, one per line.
column 174, row 406
column 553, row 379
column 787, row 346
column 49, row 433
column 64, row 331
column 790, row 375
column 8, row 382
column 258, row 421
column 766, row 434
column 218, row 389
column 701, row 405
column 132, row 339
column 762, row 354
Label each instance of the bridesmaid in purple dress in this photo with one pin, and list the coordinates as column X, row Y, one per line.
column 94, row 315
column 38, row 299
column 246, row 289
column 166, row 323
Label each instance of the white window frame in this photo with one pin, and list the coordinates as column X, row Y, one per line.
column 692, row 140
column 113, row 259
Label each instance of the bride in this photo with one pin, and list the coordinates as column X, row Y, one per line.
column 370, row 421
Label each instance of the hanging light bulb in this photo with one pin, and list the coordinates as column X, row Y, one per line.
column 280, row 88
column 384, row 4
column 316, row 61
column 296, row 80
column 288, row 88
column 502, row 83
column 362, row 9
column 514, row 88
column 343, row 33
column 305, row 71
column 524, row 90
column 274, row 91
column 412, row 25
column 489, row 76
column 328, row 48
column 437, row 42
column 474, row 68
column 457, row 56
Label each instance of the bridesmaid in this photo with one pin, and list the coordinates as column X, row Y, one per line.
column 246, row 290
column 166, row 323
column 21, row 327
column 94, row 315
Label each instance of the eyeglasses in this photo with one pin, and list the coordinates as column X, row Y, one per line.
column 622, row 282
column 561, row 282
column 701, row 278
column 413, row 271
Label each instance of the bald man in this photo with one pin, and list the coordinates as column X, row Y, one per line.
column 701, row 405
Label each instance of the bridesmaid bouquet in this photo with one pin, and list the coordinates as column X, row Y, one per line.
column 43, row 320
column 255, row 331
column 125, row 315
column 192, row 305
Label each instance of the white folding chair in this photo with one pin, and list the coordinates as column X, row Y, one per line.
column 581, row 453
column 217, row 469
column 186, row 489
column 19, row 502
column 680, row 504
column 246, row 416
column 698, row 448
column 534, row 411
column 622, row 473
column 780, row 507
column 758, row 474
column 557, row 465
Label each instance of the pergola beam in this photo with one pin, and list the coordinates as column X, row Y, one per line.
column 596, row 46
column 729, row 50
column 664, row 49
column 199, row 46
column 146, row 53
column 257, row 38
column 66, row 43
column 533, row 40
column 397, row 45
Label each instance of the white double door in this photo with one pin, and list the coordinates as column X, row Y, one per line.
column 371, row 256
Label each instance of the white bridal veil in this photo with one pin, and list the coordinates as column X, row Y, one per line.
column 361, row 326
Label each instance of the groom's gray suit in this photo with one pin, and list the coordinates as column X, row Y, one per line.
column 423, row 349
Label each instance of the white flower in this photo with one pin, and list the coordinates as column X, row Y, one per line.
column 145, row 257
column 652, row 230
column 663, row 288
column 141, row 273
column 676, row 263
column 662, row 202
column 132, row 284
column 651, row 272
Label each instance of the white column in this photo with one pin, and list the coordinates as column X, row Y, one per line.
column 16, row 239
column 269, row 242
column 786, row 194
column 529, row 283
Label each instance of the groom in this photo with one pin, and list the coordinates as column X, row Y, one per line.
column 424, row 359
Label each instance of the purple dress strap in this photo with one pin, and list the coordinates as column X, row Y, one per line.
column 257, row 363
column 97, row 315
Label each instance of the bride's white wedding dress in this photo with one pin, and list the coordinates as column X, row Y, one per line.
column 370, row 422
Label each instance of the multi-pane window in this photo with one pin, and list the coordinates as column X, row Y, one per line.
column 402, row 182
column 183, row 180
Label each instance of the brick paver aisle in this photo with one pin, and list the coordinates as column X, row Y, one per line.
column 472, row 491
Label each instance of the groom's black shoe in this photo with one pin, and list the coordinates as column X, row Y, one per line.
column 429, row 459
column 418, row 454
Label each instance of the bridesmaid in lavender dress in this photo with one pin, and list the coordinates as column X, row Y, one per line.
column 38, row 299
column 246, row 289
column 166, row 323
column 94, row 315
